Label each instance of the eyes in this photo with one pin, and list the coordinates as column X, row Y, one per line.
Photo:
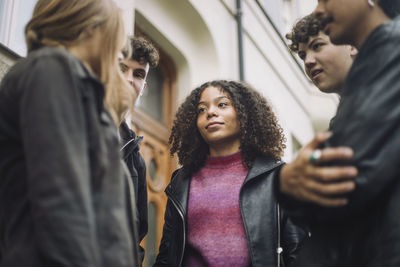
column 124, row 68
column 221, row 105
column 137, row 73
column 316, row 47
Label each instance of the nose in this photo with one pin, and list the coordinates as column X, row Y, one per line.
column 320, row 9
column 129, row 77
column 211, row 112
column 309, row 61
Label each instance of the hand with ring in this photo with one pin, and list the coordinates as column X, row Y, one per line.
column 315, row 156
column 305, row 180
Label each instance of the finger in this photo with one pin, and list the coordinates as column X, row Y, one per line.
column 318, row 140
column 327, row 202
column 332, row 174
column 335, row 153
column 328, row 190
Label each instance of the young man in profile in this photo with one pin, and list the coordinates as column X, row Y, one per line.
column 327, row 66
column 135, row 69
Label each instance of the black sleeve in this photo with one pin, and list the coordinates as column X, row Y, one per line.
column 56, row 150
column 293, row 237
column 142, row 200
column 368, row 121
column 167, row 237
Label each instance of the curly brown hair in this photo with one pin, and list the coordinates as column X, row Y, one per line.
column 308, row 26
column 260, row 133
column 142, row 51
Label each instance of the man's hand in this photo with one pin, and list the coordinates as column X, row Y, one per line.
column 306, row 181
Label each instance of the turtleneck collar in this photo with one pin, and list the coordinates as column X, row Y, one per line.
column 224, row 161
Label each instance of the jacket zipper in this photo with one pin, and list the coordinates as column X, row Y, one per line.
column 127, row 143
column 279, row 250
column 183, row 226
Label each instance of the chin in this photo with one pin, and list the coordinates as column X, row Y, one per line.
column 329, row 90
column 339, row 39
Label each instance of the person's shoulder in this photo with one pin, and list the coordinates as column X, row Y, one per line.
column 59, row 58
column 46, row 54
column 36, row 64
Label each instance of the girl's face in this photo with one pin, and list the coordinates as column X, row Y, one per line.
column 217, row 122
column 347, row 21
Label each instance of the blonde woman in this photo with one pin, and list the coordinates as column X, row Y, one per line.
column 62, row 184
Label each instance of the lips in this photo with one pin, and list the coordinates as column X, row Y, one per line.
column 213, row 124
column 315, row 73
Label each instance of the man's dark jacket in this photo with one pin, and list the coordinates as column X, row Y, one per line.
column 366, row 232
column 62, row 179
column 137, row 168
column 259, row 208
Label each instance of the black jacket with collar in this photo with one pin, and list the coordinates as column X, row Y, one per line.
column 137, row 169
column 365, row 232
column 266, row 234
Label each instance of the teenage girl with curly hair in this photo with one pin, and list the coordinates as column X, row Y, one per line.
column 222, row 205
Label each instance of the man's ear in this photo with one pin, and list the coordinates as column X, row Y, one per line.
column 353, row 51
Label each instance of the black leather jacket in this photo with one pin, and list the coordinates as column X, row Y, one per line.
column 130, row 146
column 366, row 232
column 270, row 239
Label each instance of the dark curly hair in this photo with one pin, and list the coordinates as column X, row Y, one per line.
column 260, row 133
column 142, row 51
column 308, row 26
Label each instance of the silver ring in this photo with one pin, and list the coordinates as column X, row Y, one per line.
column 315, row 156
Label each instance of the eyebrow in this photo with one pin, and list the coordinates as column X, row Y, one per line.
column 140, row 70
column 313, row 41
column 215, row 99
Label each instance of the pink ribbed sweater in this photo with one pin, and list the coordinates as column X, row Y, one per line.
column 216, row 233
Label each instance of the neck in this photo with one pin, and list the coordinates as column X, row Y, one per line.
column 218, row 150
column 377, row 18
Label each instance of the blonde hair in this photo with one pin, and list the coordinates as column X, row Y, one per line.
column 65, row 23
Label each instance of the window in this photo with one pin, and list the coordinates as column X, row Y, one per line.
column 151, row 101
column 14, row 14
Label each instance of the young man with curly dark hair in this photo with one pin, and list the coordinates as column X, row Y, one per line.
column 135, row 69
column 325, row 64
column 222, row 207
column 366, row 231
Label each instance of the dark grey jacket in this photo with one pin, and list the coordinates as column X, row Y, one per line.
column 62, row 180
column 260, row 212
column 366, row 232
